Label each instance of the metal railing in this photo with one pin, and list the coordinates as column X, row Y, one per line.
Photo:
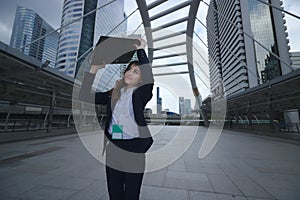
column 261, row 125
column 14, row 125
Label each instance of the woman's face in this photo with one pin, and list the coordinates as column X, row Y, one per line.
column 133, row 76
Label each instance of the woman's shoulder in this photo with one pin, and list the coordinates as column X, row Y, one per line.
column 143, row 92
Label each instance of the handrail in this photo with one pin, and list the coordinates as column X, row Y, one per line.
column 14, row 125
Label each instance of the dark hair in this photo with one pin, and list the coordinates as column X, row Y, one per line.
column 135, row 62
column 116, row 93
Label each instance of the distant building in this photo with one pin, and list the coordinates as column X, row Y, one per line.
column 76, row 39
column 187, row 106
column 181, row 105
column 236, row 61
column 28, row 27
column 158, row 101
column 295, row 58
column 184, row 106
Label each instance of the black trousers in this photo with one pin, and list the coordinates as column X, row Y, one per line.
column 124, row 170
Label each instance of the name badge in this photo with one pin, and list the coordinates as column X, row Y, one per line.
column 117, row 132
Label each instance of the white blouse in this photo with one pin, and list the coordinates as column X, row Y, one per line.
column 123, row 115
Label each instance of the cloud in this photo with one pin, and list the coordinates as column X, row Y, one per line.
column 292, row 23
column 5, row 33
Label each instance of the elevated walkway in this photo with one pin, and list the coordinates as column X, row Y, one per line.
column 241, row 166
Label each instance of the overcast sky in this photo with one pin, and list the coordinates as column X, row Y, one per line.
column 51, row 11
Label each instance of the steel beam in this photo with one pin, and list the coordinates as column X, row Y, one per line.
column 147, row 25
column 170, row 10
column 172, row 73
column 170, row 55
column 169, row 65
column 189, row 46
column 155, row 3
column 172, row 23
column 169, row 36
column 169, row 46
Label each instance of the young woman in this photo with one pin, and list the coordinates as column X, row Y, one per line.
column 127, row 137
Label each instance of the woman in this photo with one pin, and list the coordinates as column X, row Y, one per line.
column 127, row 137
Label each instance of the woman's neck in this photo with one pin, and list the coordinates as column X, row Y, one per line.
column 130, row 86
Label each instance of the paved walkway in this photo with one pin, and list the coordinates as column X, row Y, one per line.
column 241, row 166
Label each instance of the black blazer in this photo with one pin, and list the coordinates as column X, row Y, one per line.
column 140, row 98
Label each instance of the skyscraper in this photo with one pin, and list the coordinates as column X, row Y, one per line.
column 268, row 27
column 158, row 101
column 77, row 38
column 184, row 106
column 28, row 27
column 187, row 106
column 181, row 105
column 236, row 61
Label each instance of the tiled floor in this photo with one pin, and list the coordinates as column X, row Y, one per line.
column 240, row 166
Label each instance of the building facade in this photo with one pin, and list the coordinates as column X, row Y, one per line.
column 185, row 106
column 215, row 66
column 79, row 35
column 295, row 58
column 181, row 105
column 236, row 61
column 158, row 102
column 28, row 27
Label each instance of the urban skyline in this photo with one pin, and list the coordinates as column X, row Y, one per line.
column 172, row 80
column 59, row 136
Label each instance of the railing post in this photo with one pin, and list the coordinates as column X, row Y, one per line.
column 13, row 128
column 51, row 110
column 69, row 117
column 11, row 107
column 28, row 125
column 45, row 119
column 40, row 126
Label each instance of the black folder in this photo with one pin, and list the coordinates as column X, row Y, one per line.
column 113, row 50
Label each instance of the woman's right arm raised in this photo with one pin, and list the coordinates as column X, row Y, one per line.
column 85, row 93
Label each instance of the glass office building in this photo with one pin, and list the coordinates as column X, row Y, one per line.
column 243, row 62
column 69, row 36
column 262, row 26
column 78, row 34
column 28, row 27
column 109, row 19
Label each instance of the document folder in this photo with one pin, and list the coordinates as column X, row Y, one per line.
column 113, row 50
